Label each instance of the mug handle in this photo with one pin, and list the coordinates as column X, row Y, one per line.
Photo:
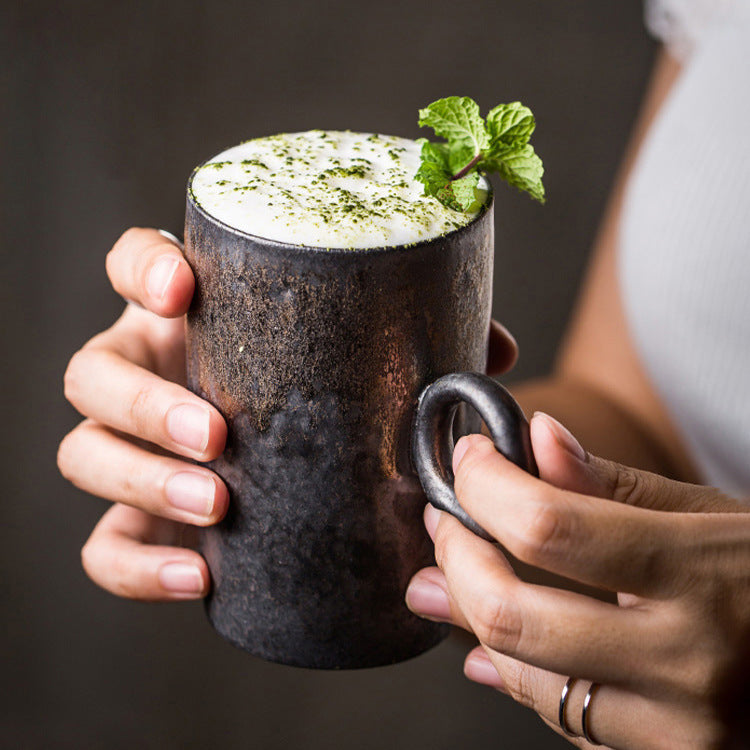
column 432, row 435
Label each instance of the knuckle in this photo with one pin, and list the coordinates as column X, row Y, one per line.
column 519, row 681
column 708, row 673
column 547, row 530
column 110, row 259
column 128, row 260
column 123, row 584
column 447, row 542
column 129, row 234
column 699, row 656
column 70, row 452
column 109, row 569
column 442, row 546
column 496, row 622
column 472, row 467
column 72, row 379
column 65, row 458
column 628, row 486
column 112, row 572
column 129, row 486
column 140, row 410
column 127, row 238
column 89, row 558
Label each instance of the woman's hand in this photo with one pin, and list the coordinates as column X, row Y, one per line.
column 670, row 657
column 142, row 423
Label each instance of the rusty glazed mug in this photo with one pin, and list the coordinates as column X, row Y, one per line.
column 316, row 358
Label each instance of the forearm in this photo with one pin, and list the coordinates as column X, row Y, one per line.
column 604, row 427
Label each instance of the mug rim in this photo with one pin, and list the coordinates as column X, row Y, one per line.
column 488, row 205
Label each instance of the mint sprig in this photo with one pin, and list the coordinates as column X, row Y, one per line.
column 500, row 143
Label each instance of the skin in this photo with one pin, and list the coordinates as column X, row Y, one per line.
column 672, row 557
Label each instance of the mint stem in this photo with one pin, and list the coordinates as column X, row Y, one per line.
column 467, row 168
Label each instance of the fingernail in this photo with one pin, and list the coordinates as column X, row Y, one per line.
column 431, row 520
column 428, row 600
column 191, row 491
column 479, row 668
column 459, row 452
column 181, row 578
column 563, row 436
column 187, row 425
column 160, row 275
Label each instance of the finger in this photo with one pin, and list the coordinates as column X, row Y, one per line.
column 479, row 668
column 143, row 338
column 553, row 629
column 97, row 461
column 615, row 717
column 536, row 689
column 502, row 350
column 575, row 741
column 529, row 686
column 149, row 269
column 120, row 557
column 428, row 594
column 564, row 463
column 577, row 536
column 154, row 343
column 130, row 399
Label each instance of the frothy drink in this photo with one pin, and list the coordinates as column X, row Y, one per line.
column 328, row 189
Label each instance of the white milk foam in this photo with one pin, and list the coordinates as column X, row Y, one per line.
column 330, row 189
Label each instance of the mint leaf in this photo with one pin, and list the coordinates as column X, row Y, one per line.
column 434, row 172
column 463, row 194
column 456, row 119
column 450, row 171
column 435, row 152
column 510, row 125
column 521, row 168
column 467, row 193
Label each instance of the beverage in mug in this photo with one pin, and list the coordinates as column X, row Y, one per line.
column 329, row 292
column 326, row 189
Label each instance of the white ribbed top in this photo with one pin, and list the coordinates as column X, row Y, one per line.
column 682, row 24
column 685, row 248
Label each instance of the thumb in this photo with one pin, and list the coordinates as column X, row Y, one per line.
column 565, row 464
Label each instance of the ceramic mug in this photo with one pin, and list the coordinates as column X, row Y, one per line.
column 316, row 358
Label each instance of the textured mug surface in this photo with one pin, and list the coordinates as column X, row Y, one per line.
column 316, row 359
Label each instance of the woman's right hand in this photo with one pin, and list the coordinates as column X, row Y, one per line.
column 140, row 420
column 141, row 424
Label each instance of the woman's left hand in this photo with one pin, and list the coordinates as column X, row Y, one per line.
column 670, row 657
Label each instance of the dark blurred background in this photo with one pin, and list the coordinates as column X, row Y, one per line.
column 104, row 111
